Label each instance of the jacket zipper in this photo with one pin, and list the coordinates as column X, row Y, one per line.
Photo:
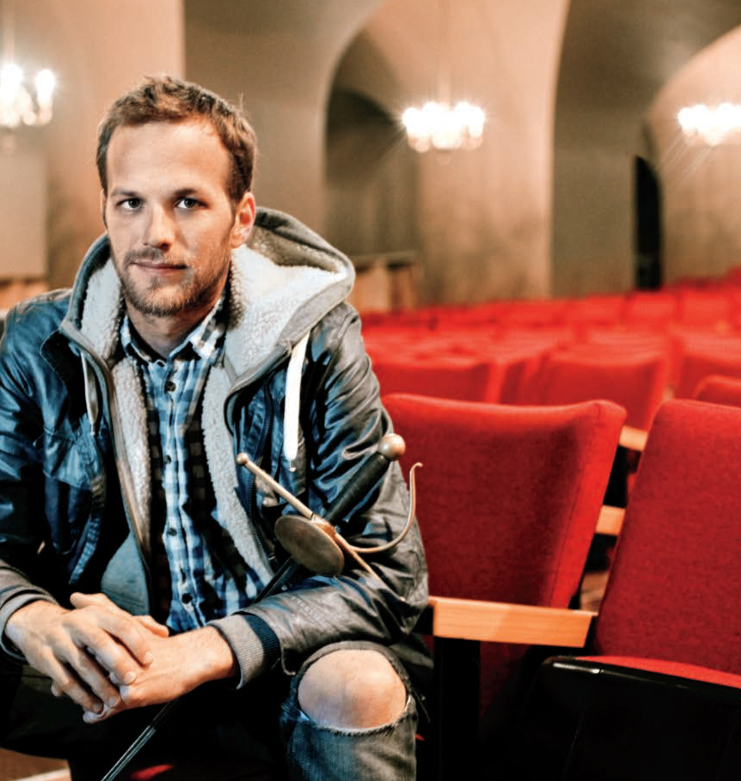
column 251, row 488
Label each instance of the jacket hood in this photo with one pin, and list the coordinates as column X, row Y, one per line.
column 283, row 281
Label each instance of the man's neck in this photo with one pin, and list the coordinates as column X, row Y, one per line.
column 164, row 334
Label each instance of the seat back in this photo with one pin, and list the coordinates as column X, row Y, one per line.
column 508, row 497
column 507, row 501
column 701, row 360
column 719, row 389
column 675, row 578
column 636, row 382
column 444, row 377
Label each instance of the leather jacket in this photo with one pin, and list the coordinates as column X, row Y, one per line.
column 74, row 466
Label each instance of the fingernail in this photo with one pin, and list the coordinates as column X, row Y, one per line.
column 129, row 678
column 148, row 658
column 113, row 702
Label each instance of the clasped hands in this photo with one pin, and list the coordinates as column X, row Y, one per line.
column 107, row 660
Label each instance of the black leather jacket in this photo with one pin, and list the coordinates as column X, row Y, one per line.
column 74, row 467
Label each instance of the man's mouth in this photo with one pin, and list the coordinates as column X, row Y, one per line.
column 159, row 266
column 153, row 262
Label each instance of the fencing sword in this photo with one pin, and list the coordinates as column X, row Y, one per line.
column 312, row 542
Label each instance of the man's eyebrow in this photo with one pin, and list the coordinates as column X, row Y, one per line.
column 119, row 191
column 183, row 192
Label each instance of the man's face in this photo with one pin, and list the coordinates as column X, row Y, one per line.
column 170, row 221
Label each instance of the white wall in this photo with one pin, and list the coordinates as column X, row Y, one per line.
column 483, row 218
column 23, row 214
column 98, row 49
column 277, row 59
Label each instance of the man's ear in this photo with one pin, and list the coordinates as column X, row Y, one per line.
column 244, row 219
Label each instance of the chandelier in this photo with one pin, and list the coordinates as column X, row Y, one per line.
column 21, row 103
column 711, row 125
column 444, row 127
column 440, row 124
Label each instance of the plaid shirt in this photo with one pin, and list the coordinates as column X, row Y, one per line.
column 200, row 574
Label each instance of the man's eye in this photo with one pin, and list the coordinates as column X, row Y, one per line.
column 130, row 203
column 188, row 203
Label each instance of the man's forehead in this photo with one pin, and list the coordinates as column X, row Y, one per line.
column 187, row 151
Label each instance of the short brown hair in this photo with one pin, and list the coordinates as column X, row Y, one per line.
column 167, row 99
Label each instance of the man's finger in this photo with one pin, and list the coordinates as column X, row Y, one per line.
column 116, row 637
column 65, row 682
column 153, row 626
column 85, row 600
column 93, row 717
column 78, row 599
column 87, row 674
column 94, row 651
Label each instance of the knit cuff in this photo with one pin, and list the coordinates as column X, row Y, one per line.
column 254, row 644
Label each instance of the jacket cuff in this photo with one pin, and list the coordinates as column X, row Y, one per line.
column 254, row 644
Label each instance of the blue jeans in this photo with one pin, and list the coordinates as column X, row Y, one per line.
column 216, row 732
column 318, row 753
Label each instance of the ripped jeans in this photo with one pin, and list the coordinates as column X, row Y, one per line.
column 317, row 753
column 258, row 732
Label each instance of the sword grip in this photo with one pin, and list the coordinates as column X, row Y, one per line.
column 390, row 448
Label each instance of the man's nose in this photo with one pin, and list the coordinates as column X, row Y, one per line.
column 160, row 229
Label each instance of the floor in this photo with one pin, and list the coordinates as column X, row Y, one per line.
column 17, row 766
column 593, row 587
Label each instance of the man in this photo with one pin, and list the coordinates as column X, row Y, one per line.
column 133, row 548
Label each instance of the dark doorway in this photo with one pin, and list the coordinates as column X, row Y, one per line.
column 648, row 227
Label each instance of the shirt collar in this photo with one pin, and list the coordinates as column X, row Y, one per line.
column 205, row 340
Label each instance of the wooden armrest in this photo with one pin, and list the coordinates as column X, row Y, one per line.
column 499, row 622
column 610, row 520
column 633, row 438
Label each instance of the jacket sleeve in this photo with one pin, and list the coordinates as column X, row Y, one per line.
column 21, row 481
column 344, row 423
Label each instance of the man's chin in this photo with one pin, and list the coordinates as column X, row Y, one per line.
column 159, row 305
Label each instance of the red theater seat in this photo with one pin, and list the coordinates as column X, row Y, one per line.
column 653, row 309
column 627, row 340
column 443, row 377
column 699, row 361
column 720, row 390
column 582, row 313
column 697, row 341
column 657, row 691
column 507, row 501
column 636, row 382
column 704, row 308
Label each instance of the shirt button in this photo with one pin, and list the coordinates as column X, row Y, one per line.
column 168, row 459
column 186, row 599
column 172, row 532
column 169, row 386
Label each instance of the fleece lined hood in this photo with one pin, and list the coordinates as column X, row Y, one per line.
column 283, row 281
